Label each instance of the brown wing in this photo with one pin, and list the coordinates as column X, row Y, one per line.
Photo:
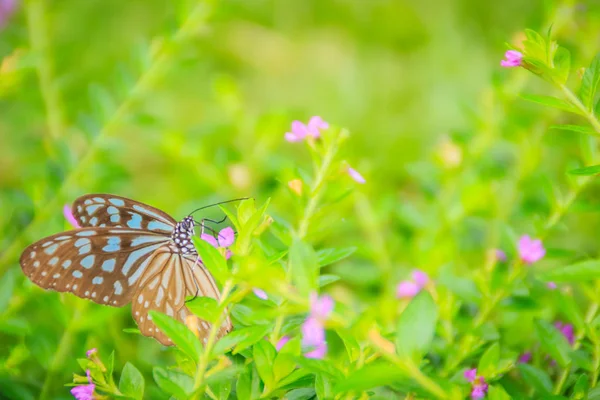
column 169, row 279
column 102, row 264
column 109, row 210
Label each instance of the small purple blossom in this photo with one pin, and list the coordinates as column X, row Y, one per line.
column 513, row 58
column 551, row 285
column 354, row 174
column 224, row 239
column 301, row 131
column 84, row 392
column 530, row 250
column 7, row 9
column 567, row 331
column 478, row 385
column 500, row 255
column 320, row 307
column 319, row 351
column 410, row 288
column 313, row 329
column 68, row 213
column 525, row 357
column 282, row 342
column 261, row 294
column 91, row 352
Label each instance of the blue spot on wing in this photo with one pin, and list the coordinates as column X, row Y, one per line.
column 114, row 244
column 77, row 274
column 108, row 265
column 146, row 239
column 85, row 249
column 81, row 242
column 92, row 209
column 88, row 261
column 115, row 218
column 135, row 222
column 51, row 249
column 93, row 221
column 53, row 261
column 112, row 210
column 136, row 255
column 117, row 202
column 157, row 225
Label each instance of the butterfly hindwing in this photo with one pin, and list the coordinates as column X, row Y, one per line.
column 165, row 290
column 101, row 264
column 105, row 210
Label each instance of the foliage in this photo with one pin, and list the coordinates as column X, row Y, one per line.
column 186, row 103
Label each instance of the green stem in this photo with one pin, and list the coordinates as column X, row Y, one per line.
column 210, row 342
column 423, row 380
column 148, row 77
column 38, row 37
column 587, row 114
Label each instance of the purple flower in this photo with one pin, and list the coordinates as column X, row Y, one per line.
column 354, row 174
column 530, row 250
column 68, row 213
column 525, row 357
column 282, row 342
column 261, row 294
column 84, row 392
column 410, row 288
column 319, row 351
column 567, row 331
column 513, row 58
column 551, row 285
column 91, row 352
column 224, row 239
column 478, row 385
column 7, row 8
column 300, row 131
column 500, row 255
column 320, row 307
column 471, row 374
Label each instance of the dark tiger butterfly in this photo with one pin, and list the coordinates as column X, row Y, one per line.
column 126, row 251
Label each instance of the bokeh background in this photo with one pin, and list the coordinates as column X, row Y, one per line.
column 181, row 104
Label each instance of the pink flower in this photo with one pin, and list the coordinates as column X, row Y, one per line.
column 551, row 285
column 410, row 288
column 282, row 342
column 84, row 392
column 300, row 131
column 224, row 239
column 513, row 58
column 320, row 307
column 7, row 9
column 91, row 352
column 354, row 174
column 261, row 294
column 525, row 357
column 567, row 331
column 530, row 250
column 478, row 386
column 68, row 213
column 500, row 255
column 319, row 351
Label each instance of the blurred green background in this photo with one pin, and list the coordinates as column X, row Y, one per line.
column 179, row 104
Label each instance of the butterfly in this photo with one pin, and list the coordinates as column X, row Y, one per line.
column 126, row 251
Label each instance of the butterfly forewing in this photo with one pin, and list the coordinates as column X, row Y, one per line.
column 103, row 210
column 102, row 264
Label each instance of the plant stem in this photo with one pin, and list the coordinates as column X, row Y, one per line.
column 145, row 81
column 210, row 342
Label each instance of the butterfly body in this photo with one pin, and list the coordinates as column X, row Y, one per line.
column 125, row 251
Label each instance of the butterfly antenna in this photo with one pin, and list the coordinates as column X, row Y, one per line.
column 218, row 204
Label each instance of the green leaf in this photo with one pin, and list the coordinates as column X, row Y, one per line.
column 328, row 279
column 551, row 102
column 582, row 385
column 264, row 354
column 330, row 256
column 536, row 378
column 131, row 382
column 213, row 261
column 370, row 376
column 206, row 308
column 173, row 383
column 583, row 271
column 576, row 128
column 489, row 361
column 416, row 327
column 568, row 306
column 6, row 290
column 242, row 338
column 589, row 83
column 323, row 387
column 553, row 342
column 586, row 171
column 496, row 392
column 562, row 65
column 181, row 336
column 304, row 267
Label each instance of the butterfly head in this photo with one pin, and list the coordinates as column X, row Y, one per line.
column 182, row 235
